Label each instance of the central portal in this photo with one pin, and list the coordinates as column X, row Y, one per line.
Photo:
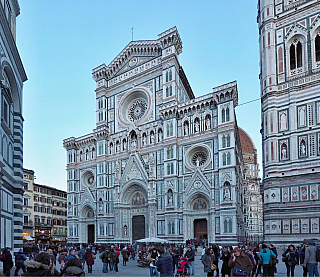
column 138, row 227
column 200, row 229
column 91, row 233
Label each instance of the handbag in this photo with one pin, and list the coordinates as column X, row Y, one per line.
column 273, row 260
column 285, row 259
column 213, row 266
column 239, row 271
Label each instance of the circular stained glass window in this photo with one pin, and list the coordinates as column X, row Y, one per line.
column 199, row 158
column 137, row 109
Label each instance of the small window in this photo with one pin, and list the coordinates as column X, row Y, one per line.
column 317, row 48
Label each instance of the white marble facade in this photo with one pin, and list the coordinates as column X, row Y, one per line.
column 153, row 166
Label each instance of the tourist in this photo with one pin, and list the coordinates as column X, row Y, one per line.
column 302, row 252
column 190, row 256
column 265, row 257
column 164, row 263
column 310, row 259
column 62, row 257
column 7, row 261
column 105, row 260
column 41, row 266
column 113, row 260
column 290, row 258
column 72, row 254
column 239, row 263
column 125, row 257
column 152, row 257
column 20, row 258
column 209, row 261
column 89, row 257
column 225, row 257
column 73, row 268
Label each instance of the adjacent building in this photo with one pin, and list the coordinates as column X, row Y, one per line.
column 44, row 211
column 253, row 207
column 12, row 76
column 159, row 162
column 290, row 109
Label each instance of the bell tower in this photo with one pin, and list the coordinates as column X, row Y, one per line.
column 290, row 114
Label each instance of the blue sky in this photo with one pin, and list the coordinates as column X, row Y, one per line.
column 60, row 42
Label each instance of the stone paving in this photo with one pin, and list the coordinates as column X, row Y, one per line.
column 133, row 270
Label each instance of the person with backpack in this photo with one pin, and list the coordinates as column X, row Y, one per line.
column 265, row 258
column 290, row 258
column 20, row 258
column 105, row 257
column 310, row 260
column 73, row 268
column 6, row 258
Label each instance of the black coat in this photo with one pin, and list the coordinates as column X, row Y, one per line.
column 293, row 257
column 38, row 269
column 207, row 260
column 7, row 260
column 225, row 269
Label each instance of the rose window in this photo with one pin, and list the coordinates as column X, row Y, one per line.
column 137, row 109
column 199, row 158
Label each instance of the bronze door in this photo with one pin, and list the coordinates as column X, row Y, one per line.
column 91, row 233
column 200, row 229
column 138, row 227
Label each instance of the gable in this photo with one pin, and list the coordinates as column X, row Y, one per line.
column 198, row 183
column 134, row 170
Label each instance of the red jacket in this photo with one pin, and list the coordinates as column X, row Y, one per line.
column 88, row 256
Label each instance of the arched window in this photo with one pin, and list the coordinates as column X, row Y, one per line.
column 224, row 159
column 170, row 75
column 167, row 91
column 227, row 114
column 81, row 156
column 87, row 154
column 223, row 142
column 171, row 129
column 167, row 76
column 228, row 140
column 295, row 55
column 223, row 116
column 228, row 158
column 168, row 130
column 317, row 48
column 280, row 60
column 111, row 148
column 170, row 90
column 93, row 153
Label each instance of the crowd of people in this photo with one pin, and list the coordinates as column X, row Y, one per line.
column 163, row 260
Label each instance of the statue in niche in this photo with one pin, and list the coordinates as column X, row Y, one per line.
column 284, row 151
column 226, row 194
column 186, row 129
column 152, row 138
column 302, row 148
column 144, row 140
column 196, row 126
column 100, row 207
column 133, row 143
column 118, row 147
column 170, row 198
column 160, row 136
column 208, row 123
column 124, row 145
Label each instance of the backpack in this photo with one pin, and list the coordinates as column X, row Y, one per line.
column 318, row 254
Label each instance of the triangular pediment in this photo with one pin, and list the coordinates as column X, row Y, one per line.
column 134, row 170
column 87, row 199
column 198, row 182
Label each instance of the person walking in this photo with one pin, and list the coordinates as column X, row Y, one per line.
column 310, row 259
column 165, row 263
column 89, row 257
column 290, row 258
column 81, row 253
column 113, row 260
column 209, row 262
column 265, row 257
column 20, row 258
column 125, row 257
column 152, row 257
column 239, row 263
column 302, row 252
column 7, row 261
column 104, row 256
column 190, row 256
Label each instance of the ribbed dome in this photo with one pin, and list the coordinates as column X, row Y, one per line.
column 247, row 145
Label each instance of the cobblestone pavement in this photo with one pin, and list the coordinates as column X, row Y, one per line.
column 133, row 270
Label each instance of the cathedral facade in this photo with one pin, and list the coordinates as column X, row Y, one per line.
column 160, row 162
column 12, row 76
column 290, row 84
